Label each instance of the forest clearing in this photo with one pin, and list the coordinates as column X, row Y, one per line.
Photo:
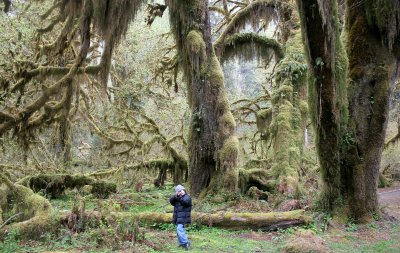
column 201, row 125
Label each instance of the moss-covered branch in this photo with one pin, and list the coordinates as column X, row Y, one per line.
column 252, row 12
column 249, row 46
column 54, row 185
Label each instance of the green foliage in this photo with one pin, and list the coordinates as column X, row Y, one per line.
column 351, row 226
column 103, row 189
column 10, row 244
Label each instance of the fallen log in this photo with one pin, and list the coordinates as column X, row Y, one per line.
column 255, row 221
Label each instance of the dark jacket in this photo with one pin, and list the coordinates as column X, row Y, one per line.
column 182, row 208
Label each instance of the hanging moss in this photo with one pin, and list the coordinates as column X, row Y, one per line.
column 385, row 15
column 195, row 43
column 251, row 14
column 289, row 117
column 249, row 46
column 226, row 124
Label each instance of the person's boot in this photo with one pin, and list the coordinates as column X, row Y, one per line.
column 187, row 246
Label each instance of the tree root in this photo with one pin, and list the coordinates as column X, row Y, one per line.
column 36, row 211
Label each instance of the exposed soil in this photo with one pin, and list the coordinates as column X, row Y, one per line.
column 389, row 200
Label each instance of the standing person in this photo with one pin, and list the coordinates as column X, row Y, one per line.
column 182, row 203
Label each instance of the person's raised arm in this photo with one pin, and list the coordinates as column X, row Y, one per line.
column 186, row 200
column 173, row 200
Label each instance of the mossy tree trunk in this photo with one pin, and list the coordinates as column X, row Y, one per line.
column 322, row 44
column 373, row 70
column 212, row 145
column 289, row 116
column 349, row 147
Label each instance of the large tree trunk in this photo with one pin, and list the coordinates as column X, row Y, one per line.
column 372, row 71
column 212, row 145
column 327, row 67
column 289, row 116
column 353, row 144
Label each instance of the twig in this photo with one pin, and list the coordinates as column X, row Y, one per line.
column 9, row 219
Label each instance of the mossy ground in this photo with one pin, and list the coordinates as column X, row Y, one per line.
column 378, row 236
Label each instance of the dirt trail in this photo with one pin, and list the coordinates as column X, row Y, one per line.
column 389, row 200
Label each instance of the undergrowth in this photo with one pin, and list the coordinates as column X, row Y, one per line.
column 128, row 236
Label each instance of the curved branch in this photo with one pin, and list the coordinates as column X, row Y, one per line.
column 251, row 12
column 50, row 27
column 249, row 46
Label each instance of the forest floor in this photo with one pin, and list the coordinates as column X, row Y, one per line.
column 389, row 200
column 322, row 235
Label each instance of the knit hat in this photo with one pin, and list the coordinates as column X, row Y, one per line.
column 179, row 188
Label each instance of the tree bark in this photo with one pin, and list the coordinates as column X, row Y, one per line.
column 373, row 71
column 322, row 44
column 349, row 147
column 212, row 145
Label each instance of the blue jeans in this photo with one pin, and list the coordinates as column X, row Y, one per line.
column 181, row 233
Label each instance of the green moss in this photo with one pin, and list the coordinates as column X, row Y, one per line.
column 303, row 107
column 80, row 181
column 36, row 211
column 263, row 120
column 222, row 103
column 249, row 46
column 215, row 74
column 226, row 124
column 103, row 189
column 195, row 43
column 283, row 92
column 289, row 116
column 229, row 150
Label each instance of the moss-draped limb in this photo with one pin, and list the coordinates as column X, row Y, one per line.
column 261, row 8
column 249, row 46
column 54, row 185
column 23, row 115
column 133, row 142
column 82, row 19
